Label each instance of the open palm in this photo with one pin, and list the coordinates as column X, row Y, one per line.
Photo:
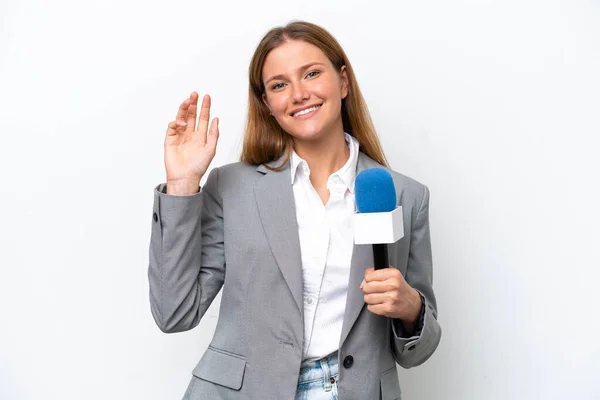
column 190, row 146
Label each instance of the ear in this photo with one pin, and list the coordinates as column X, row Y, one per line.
column 344, row 79
column 264, row 99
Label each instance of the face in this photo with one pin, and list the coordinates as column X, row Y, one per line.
column 304, row 91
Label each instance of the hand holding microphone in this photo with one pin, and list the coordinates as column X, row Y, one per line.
column 388, row 294
column 379, row 222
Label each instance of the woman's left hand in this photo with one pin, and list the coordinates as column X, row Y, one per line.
column 388, row 294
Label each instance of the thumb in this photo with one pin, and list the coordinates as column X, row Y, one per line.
column 213, row 133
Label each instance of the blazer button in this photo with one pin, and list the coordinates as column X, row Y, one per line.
column 348, row 361
column 155, row 217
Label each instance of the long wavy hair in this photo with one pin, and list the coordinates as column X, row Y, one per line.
column 264, row 139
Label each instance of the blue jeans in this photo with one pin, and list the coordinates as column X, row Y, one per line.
column 318, row 379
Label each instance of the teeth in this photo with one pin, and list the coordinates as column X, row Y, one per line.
column 303, row 112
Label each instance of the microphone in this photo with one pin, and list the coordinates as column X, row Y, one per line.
column 378, row 221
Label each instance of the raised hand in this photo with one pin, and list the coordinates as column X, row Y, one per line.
column 190, row 147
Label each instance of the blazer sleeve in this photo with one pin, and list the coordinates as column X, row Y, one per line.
column 413, row 351
column 186, row 262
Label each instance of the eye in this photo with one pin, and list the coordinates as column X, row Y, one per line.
column 277, row 86
column 312, row 74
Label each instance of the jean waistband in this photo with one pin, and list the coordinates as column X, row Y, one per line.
column 331, row 359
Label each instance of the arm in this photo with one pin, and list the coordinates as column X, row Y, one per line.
column 186, row 261
column 416, row 349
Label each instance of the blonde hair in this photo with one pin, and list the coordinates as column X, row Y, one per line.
column 264, row 139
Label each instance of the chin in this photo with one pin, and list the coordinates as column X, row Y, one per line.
column 314, row 130
column 306, row 134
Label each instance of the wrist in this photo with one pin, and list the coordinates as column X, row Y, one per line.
column 412, row 320
column 183, row 187
column 418, row 305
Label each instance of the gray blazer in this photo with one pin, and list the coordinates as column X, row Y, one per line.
column 240, row 234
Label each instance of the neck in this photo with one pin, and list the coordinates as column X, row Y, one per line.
column 324, row 157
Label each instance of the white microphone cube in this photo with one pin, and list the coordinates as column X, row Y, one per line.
column 375, row 228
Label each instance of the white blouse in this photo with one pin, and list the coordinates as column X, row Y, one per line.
column 326, row 243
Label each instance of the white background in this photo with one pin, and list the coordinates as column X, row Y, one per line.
column 495, row 105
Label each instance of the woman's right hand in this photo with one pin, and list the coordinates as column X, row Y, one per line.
column 190, row 147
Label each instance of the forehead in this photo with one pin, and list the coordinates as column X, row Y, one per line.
column 290, row 56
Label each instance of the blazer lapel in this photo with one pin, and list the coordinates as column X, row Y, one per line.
column 275, row 200
column 362, row 258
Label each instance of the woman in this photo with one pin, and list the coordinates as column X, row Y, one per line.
column 303, row 315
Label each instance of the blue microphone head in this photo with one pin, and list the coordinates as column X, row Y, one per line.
column 374, row 191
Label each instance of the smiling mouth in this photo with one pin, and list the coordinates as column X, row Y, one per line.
column 306, row 111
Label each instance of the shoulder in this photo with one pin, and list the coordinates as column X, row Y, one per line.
column 234, row 176
column 236, row 169
column 408, row 186
column 409, row 191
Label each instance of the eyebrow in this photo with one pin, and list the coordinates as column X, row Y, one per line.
column 302, row 68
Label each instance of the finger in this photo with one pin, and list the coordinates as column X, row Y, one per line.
column 175, row 127
column 192, row 111
column 182, row 112
column 379, row 309
column 213, row 134
column 381, row 274
column 380, row 286
column 204, row 115
column 375, row 298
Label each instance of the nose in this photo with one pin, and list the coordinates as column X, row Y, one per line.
column 300, row 93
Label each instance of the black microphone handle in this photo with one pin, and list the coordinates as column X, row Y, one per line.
column 380, row 256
